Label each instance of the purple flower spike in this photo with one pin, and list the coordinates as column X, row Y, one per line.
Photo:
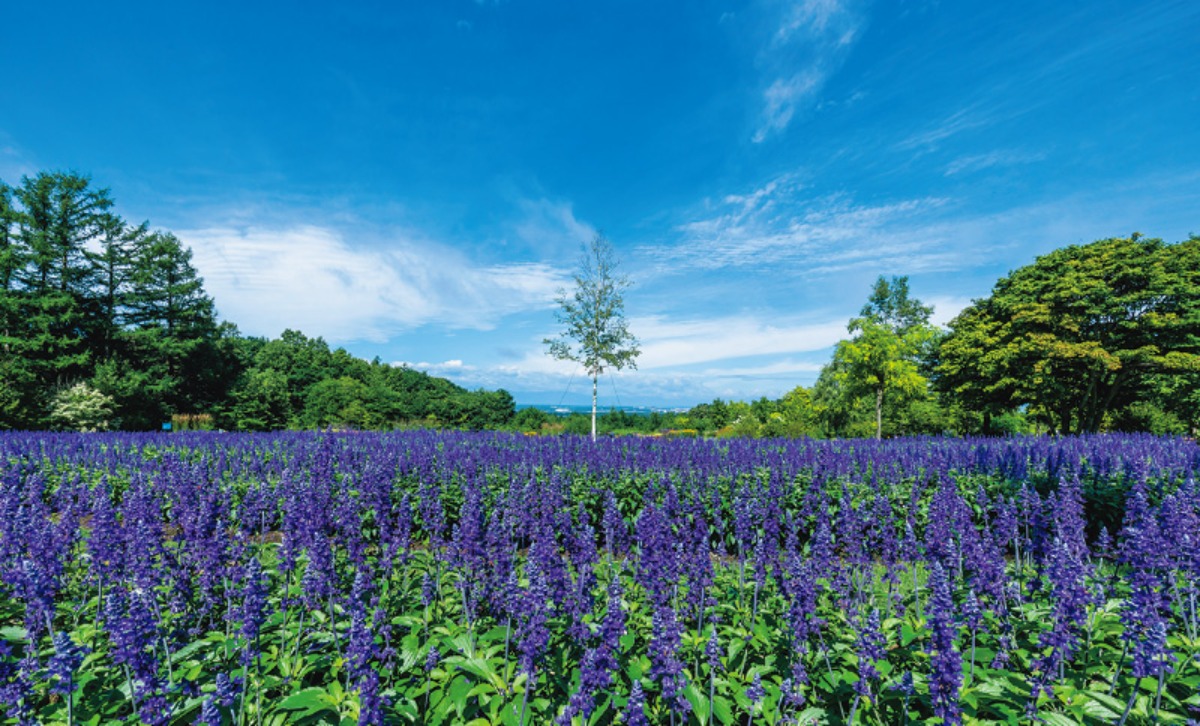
column 945, row 677
column 635, row 710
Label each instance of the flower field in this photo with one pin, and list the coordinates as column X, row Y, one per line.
column 456, row 578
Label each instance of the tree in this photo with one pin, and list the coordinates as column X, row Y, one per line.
column 10, row 259
column 63, row 213
column 530, row 419
column 969, row 362
column 340, row 402
column 15, row 374
column 878, row 360
column 890, row 305
column 596, row 335
column 1084, row 330
column 114, row 269
column 891, row 336
column 167, row 291
column 260, row 401
column 799, row 413
column 51, row 287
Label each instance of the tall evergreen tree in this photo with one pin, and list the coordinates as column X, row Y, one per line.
column 52, row 318
column 167, row 292
column 10, row 259
column 113, row 270
column 169, row 321
column 62, row 214
column 15, row 377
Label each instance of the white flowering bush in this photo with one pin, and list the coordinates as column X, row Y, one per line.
column 81, row 408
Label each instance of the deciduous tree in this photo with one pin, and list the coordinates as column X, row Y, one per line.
column 890, row 337
column 595, row 333
column 1080, row 332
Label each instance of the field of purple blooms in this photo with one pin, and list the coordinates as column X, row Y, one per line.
column 485, row 578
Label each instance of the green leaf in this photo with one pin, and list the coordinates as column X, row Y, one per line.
column 814, row 715
column 699, row 702
column 1057, row 719
column 308, row 701
column 479, row 668
column 722, row 709
column 460, row 687
column 1102, row 705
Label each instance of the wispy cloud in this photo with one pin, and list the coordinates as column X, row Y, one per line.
column 931, row 136
column 978, row 162
column 312, row 278
column 775, row 226
column 782, row 97
column 14, row 162
column 549, row 228
column 813, row 18
column 810, row 42
column 670, row 343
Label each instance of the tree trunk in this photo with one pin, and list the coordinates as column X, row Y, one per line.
column 595, row 377
column 879, row 414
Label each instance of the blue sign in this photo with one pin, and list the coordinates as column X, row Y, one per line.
column 167, row 426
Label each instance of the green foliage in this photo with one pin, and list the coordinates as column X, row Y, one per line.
column 338, row 403
column 81, row 408
column 1146, row 416
column 260, row 401
column 884, row 356
column 595, row 333
column 530, row 419
column 1084, row 330
column 86, row 296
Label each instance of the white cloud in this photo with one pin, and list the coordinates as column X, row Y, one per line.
column 445, row 368
column 313, row 279
column 550, row 228
column 774, row 228
column 946, row 307
column 669, row 343
column 979, row 162
column 811, row 41
column 738, row 356
column 551, row 383
column 782, row 98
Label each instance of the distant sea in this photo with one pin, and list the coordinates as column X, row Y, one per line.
column 568, row 408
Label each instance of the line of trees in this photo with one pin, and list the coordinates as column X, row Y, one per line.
column 1102, row 336
column 104, row 323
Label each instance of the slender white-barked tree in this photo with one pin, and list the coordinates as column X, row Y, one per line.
column 595, row 333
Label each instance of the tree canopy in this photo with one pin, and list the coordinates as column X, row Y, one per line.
column 1083, row 331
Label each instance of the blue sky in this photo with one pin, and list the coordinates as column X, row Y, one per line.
column 414, row 180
